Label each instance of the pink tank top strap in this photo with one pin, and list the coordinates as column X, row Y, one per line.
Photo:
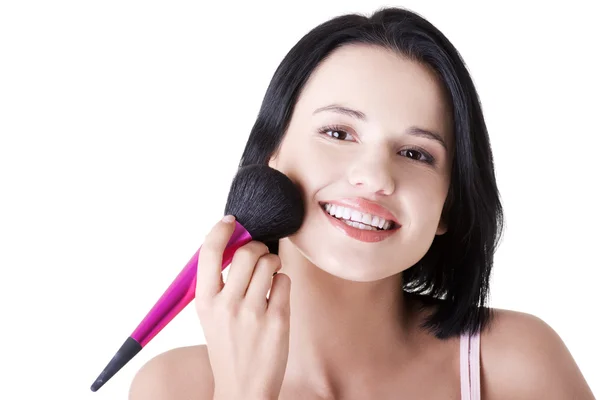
column 469, row 367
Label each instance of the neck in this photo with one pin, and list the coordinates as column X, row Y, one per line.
column 341, row 328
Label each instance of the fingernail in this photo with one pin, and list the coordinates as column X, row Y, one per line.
column 228, row 218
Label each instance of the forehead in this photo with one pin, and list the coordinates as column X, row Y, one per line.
column 387, row 87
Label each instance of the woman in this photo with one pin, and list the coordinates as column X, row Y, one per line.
column 382, row 292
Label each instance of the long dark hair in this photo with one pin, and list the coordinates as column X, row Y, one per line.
column 454, row 273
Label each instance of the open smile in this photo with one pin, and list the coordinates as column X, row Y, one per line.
column 359, row 225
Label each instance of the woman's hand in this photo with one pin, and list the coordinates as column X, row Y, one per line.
column 247, row 334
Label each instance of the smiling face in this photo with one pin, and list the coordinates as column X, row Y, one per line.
column 371, row 133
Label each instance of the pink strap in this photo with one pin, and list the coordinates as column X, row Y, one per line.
column 469, row 367
column 475, row 370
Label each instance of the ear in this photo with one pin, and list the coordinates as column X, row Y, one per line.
column 442, row 227
column 273, row 161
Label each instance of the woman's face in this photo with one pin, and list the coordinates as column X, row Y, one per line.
column 380, row 152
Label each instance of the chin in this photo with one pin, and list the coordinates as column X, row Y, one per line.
column 356, row 275
column 332, row 252
column 352, row 265
column 368, row 271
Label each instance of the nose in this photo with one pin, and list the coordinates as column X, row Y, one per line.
column 373, row 173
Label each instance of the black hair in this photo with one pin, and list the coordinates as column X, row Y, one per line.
column 454, row 274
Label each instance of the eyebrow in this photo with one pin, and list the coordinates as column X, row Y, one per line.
column 413, row 130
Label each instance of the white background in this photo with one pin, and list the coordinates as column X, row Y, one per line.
column 122, row 124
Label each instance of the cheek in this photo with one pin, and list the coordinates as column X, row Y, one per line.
column 429, row 193
column 425, row 200
column 309, row 164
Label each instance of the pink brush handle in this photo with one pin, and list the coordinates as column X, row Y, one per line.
column 183, row 290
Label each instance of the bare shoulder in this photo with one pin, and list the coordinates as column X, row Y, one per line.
column 522, row 357
column 181, row 373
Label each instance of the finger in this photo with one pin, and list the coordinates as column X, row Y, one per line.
column 260, row 283
column 209, row 280
column 279, row 299
column 242, row 267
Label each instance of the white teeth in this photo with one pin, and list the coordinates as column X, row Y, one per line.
column 356, row 218
column 366, row 219
column 375, row 221
column 360, row 226
column 347, row 213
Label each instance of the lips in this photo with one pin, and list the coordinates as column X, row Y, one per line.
column 369, row 236
column 365, row 206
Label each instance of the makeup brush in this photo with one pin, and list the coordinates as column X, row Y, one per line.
column 267, row 205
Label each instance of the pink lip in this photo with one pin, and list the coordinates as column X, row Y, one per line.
column 365, row 206
column 363, row 235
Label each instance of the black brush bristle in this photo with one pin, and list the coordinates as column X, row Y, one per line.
column 265, row 202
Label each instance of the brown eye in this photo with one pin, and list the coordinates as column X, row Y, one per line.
column 336, row 133
column 413, row 154
column 418, row 155
column 339, row 134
